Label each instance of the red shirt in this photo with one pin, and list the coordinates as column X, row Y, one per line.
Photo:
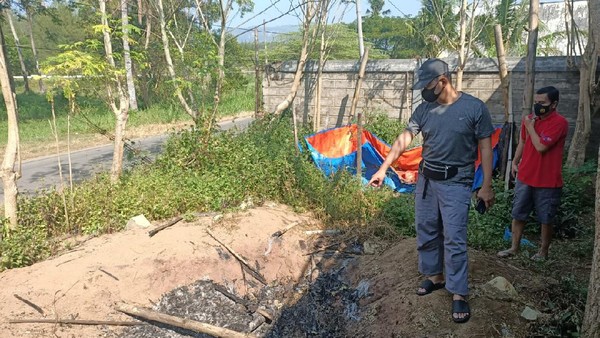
column 544, row 170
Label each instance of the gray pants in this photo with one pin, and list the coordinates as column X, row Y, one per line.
column 441, row 216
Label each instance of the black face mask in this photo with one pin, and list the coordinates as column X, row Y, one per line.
column 540, row 109
column 429, row 95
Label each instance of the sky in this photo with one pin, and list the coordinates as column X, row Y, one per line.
column 275, row 8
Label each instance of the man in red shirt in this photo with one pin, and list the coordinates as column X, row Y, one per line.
column 537, row 167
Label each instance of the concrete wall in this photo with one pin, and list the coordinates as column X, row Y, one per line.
column 386, row 87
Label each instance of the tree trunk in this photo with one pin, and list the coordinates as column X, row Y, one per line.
column 532, row 38
column 323, row 14
column 318, row 92
column 257, row 82
column 169, row 60
column 591, row 319
column 3, row 42
column 308, row 17
column 122, row 111
column 225, row 6
column 34, row 51
column 461, row 52
column 19, row 51
column 11, row 153
column 118, row 150
column 127, row 56
column 587, row 79
column 145, row 73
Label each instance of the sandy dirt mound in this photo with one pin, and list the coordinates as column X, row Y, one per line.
column 134, row 268
column 338, row 291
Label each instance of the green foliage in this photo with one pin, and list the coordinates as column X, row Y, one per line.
column 513, row 16
column 436, row 27
column 575, row 200
column 487, row 231
column 565, row 302
column 23, row 246
column 377, row 7
column 394, row 36
column 381, row 125
column 342, row 40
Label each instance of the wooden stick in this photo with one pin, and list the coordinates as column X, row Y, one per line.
column 184, row 323
column 280, row 233
column 251, row 270
column 74, row 322
column 164, row 226
column 323, row 248
column 248, row 305
column 265, row 314
column 30, row 303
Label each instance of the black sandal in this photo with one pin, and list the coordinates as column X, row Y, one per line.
column 429, row 287
column 460, row 306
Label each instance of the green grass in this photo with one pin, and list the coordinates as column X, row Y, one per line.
column 237, row 101
column 35, row 112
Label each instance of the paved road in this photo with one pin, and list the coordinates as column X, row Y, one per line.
column 42, row 173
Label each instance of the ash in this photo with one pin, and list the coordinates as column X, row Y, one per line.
column 323, row 308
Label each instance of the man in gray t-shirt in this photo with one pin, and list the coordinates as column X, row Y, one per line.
column 454, row 125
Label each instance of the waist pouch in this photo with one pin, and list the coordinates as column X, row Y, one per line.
column 437, row 172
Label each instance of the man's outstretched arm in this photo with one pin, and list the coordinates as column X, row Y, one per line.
column 401, row 143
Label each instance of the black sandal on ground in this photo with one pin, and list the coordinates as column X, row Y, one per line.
column 429, row 287
column 460, row 306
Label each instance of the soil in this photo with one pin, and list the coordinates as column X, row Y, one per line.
column 318, row 285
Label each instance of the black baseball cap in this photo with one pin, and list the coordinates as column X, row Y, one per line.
column 428, row 71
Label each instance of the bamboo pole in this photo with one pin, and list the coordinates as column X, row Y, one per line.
column 505, row 161
column 361, row 75
column 503, row 67
column 532, row 38
column 256, row 76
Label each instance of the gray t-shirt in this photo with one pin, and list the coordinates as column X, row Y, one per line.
column 451, row 133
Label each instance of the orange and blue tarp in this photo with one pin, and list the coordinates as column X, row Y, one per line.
column 336, row 149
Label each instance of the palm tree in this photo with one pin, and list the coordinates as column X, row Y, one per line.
column 435, row 27
column 512, row 15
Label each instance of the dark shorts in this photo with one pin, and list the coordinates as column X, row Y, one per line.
column 544, row 200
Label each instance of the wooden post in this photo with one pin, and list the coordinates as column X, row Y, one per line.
column 503, row 68
column 504, row 83
column 265, row 38
column 361, row 42
column 361, row 75
column 257, row 91
column 532, row 38
column 318, row 92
